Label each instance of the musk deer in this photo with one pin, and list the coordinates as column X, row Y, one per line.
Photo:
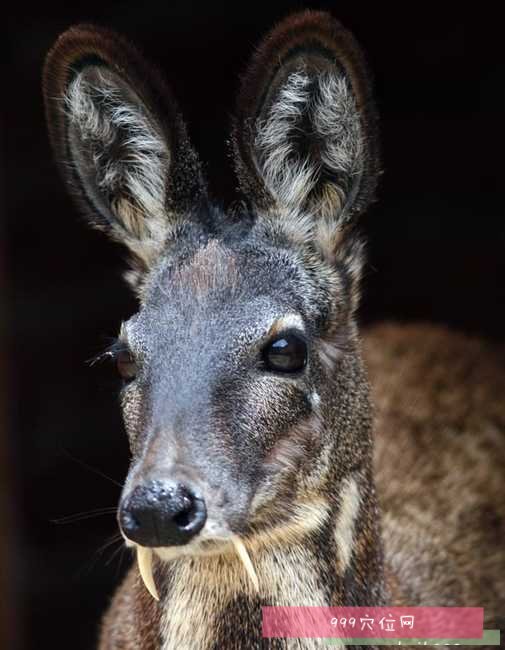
column 244, row 395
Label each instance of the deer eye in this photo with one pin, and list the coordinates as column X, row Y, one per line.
column 288, row 353
column 125, row 364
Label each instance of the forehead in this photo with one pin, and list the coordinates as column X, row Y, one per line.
column 244, row 285
column 211, row 268
column 216, row 274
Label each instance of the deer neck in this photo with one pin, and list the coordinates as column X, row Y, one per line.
column 333, row 559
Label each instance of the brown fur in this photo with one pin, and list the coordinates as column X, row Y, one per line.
column 139, row 623
column 440, row 452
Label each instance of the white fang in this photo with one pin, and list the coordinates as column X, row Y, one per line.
column 145, row 562
column 246, row 561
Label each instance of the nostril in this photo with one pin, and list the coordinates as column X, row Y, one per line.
column 191, row 513
column 183, row 519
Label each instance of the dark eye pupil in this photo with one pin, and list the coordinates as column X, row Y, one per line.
column 126, row 365
column 286, row 354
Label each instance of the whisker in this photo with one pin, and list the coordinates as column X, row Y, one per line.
column 115, row 554
column 117, row 537
column 80, row 516
column 121, row 557
column 91, row 469
column 91, row 563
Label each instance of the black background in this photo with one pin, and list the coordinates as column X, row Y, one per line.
column 437, row 241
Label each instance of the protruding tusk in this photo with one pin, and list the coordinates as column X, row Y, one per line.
column 246, row 561
column 145, row 562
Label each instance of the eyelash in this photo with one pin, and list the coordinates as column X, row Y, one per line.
column 111, row 353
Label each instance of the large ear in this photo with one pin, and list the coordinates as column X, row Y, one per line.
column 304, row 139
column 120, row 141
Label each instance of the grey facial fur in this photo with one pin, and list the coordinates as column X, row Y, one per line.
column 202, row 402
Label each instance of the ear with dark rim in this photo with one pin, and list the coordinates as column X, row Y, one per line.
column 120, row 141
column 304, row 139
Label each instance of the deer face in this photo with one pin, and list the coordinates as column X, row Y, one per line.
column 241, row 363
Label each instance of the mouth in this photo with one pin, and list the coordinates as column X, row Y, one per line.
column 202, row 548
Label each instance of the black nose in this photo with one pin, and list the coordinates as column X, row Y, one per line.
column 162, row 514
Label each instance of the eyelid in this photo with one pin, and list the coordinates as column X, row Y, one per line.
column 282, row 334
column 288, row 323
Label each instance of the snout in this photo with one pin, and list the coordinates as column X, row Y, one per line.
column 162, row 513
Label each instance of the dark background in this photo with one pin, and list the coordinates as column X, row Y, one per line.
column 437, row 241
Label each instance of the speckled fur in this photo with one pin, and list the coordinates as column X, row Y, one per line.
column 440, row 422
column 285, row 462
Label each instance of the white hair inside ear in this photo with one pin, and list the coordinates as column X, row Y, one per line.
column 121, row 158
column 309, row 148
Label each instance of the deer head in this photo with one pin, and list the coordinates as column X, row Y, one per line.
column 243, row 397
